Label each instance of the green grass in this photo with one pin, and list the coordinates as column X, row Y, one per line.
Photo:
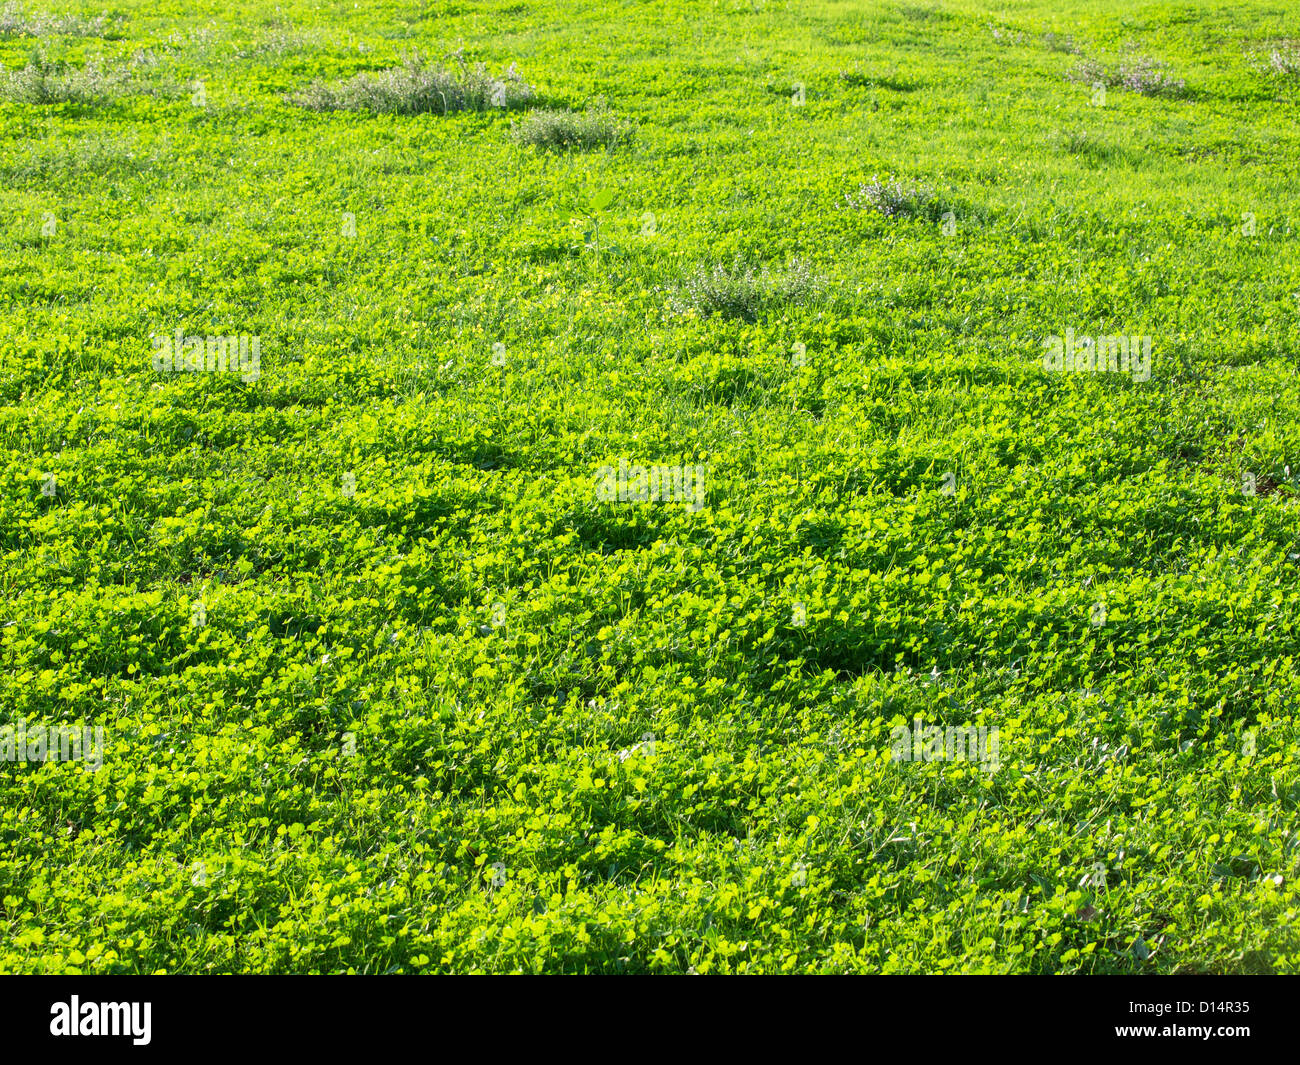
column 446, row 709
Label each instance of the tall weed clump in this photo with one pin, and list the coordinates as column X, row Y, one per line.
column 15, row 22
column 419, row 87
column 896, row 198
column 1282, row 59
column 46, row 82
column 559, row 131
column 1136, row 73
column 741, row 291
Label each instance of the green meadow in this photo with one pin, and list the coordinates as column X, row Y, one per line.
column 538, row 487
